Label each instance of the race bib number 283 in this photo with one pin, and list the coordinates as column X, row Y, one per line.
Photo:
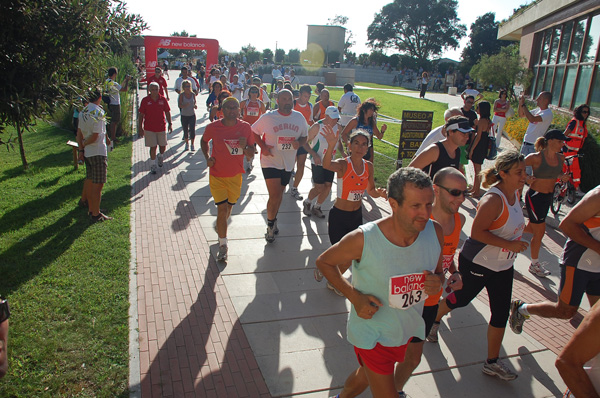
column 407, row 290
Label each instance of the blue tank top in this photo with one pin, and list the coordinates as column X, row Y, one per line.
column 380, row 261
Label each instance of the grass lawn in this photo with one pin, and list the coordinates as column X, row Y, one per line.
column 392, row 105
column 385, row 86
column 66, row 279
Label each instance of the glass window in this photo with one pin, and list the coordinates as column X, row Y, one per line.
column 595, row 100
column 577, row 41
column 558, row 76
column 591, row 42
column 533, row 85
column 583, row 84
column 539, row 81
column 567, row 93
column 548, row 81
column 554, row 45
column 545, row 45
column 564, row 43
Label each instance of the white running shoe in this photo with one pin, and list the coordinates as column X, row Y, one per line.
column 516, row 319
column 270, row 235
column 295, row 194
column 222, row 253
column 539, row 270
column 318, row 275
column 153, row 169
column 306, row 209
column 498, row 369
column 317, row 212
column 160, row 160
column 432, row 337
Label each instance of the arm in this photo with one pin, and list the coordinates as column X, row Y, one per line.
column 489, row 209
column 140, row 124
column 434, row 281
column 312, row 133
column 212, row 114
column 379, row 133
column 348, row 249
column 570, row 128
column 316, row 111
column 124, row 84
column 210, row 161
column 338, row 166
column 582, row 347
column 349, row 127
column 90, row 140
column 524, row 112
column 169, row 123
column 426, row 157
column 455, row 278
column 572, row 224
column 480, row 130
column 264, row 148
column 180, row 101
column 371, row 190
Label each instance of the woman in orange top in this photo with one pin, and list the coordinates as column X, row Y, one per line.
column 216, row 112
column 252, row 108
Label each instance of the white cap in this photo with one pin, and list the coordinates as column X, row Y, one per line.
column 332, row 112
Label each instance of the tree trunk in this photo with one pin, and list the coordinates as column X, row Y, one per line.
column 21, row 146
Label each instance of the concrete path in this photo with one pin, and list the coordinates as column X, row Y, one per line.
column 261, row 326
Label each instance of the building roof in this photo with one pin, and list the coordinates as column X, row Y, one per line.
column 513, row 28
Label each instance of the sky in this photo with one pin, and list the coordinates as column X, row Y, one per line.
column 275, row 24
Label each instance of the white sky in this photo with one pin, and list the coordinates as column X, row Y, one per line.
column 237, row 23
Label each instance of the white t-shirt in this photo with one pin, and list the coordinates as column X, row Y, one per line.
column 181, row 79
column 113, row 88
column 279, row 131
column 236, row 89
column 536, row 130
column 349, row 103
column 434, row 136
column 294, row 81
column 275, row 73
column 471, row 91
column 92, row 120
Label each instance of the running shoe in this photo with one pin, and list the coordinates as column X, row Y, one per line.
column 270, row 235
column 100, row 218
column 317, row 212
column 331, row 287
column 187, row 147
column 295, row 194
column 402, row 394
column 318, row 275
column 306, row 208
column 153, row 169
column 498, row 369
column 539, row 270
column 160, row 160
column 432, row 337
column 192, row 148
column 222, row 253
column 275, row 227
column 516, row 319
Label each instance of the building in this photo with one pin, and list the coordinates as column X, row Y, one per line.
column 560, row 41
column 330, row 39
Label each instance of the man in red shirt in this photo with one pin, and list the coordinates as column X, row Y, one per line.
column 162, row 83
column 154, row 109
column 232, row 138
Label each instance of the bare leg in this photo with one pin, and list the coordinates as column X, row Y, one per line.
column 405, row 369
column 548, row 309
column 442, row 310
column 382, row 386
column 275, row 196
column 325, row 190
column 153, row 152
column 355, row 384
column 477, row 181
column 94, row 198
column 223, row 214
column 494, row 337
column 300, row 164
column 538, row 231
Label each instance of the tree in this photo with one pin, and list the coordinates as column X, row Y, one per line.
column 420, row 28
column 268, row 54
column 483, row 40
column 53, row 51
column 279, row 55
column 294, row 56
column 503, row 70
column 340, row 20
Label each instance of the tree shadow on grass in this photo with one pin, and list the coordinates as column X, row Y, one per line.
column 29, row 256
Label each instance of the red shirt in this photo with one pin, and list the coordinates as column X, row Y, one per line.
column 154, row 113
column 228, row 154
column 162, row 83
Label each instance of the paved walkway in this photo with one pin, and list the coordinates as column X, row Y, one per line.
column 262, row 326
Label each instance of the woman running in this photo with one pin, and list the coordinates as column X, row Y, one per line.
column 547, row 164
column 252, row 108
column 479, row 147
column 187, row 105
column 366, row 119
column 212, row 99
column 501, row 106
column 487, row 256
column 354, row 177
column 216, row 112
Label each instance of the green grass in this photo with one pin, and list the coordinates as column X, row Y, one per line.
column 375, row 85
column 66, row 279
column 392, row 105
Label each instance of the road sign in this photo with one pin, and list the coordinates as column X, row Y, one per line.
column 415, row 127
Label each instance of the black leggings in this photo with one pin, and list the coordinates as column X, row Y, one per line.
column 341, row 222
column 188, row 124
column 475, row 278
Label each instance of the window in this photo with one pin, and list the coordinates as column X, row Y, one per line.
column 565, row 40
column 577, row 41
column 548, row 81
column 567, row 95
column 595, row 100
column 558, row 77
column 591, row 42
column 554, row 45
column 581, row 91
column 545, row 45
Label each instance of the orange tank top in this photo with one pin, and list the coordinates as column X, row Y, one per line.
column 450, row 245
column 322, row 108
column 352, row 186
column 252, row 111
column 306, row 111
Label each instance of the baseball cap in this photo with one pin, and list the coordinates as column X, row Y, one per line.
column 555, row 134
column 332, row 112
column 459, row 123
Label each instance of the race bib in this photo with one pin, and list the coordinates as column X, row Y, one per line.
column 252, row 112
column 506, row 254
column 447, row 261
column 285, row 143
column 356, row 195
column 233, row 146
column 407, row 290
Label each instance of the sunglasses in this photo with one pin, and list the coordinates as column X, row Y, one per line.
column 455, row 192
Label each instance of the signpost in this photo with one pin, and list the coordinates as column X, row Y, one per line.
column 415, row 127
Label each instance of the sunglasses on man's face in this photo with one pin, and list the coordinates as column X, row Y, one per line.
column 455, row 192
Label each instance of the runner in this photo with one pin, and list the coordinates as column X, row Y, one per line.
column 487, row 257
column 279, row 134
column 322, row 178
column 303, row 106
column 154, row 114
column 579, row 272
column 547, row 164
column 187, row 105
column 231, row 139
column 366, row 119
column 348, row 105
column 387, row 257
column 216, row 112
column 212, row 99
column 252, row 109
column 321, row 105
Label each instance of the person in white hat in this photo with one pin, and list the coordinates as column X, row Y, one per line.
column 322, row 178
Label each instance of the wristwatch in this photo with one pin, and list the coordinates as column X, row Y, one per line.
column 4, row 310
